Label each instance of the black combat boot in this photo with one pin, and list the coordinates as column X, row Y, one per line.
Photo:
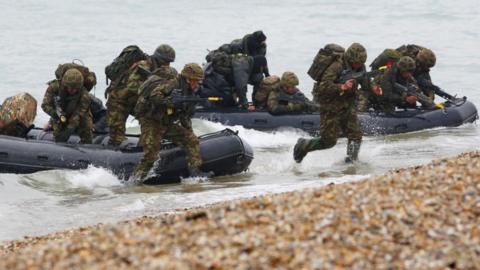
column 300, row 151
column 353, row 148
column 195, row 172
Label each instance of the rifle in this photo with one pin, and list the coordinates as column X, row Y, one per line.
column 311, row 106
column 62, row 116
column 351, row 75
column 412, row 90
column 426, row 83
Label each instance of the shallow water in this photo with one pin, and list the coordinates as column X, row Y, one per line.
column 38, row 35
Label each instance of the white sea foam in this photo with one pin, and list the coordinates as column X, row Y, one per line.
column 91, row 177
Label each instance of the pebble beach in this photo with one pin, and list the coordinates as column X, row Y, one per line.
column 424, row 217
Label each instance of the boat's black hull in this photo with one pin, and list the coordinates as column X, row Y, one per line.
column 222, row 152
column 372, row 123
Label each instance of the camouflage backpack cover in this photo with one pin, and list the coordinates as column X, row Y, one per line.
column 386, row 59
column 324, row 58
column 121, row 64
column 17, row 114
column 90, row 79
column 267, row 85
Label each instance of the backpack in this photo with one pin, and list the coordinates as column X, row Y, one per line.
column 89, row 78
column 221, row 61
column 387, row 58
column 144, row 106
column 324, row 58
column 410, row 50
column 120, row 65
column 267, row 85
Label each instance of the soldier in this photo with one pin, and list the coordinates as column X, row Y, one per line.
column 163, row 73
column 68, row 103
column 228, row 76
column 424, row 60
column 402, row 73
column 337, row 106
column 287, row 99
column 17, row 114
column 162, row 118
column 123, row 98
column 253, row 45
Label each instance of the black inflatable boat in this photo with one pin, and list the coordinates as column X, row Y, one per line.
column 455, row 114
column 223, row 152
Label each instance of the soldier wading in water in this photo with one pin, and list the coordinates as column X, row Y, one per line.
column 164, row 119
column 337, row 105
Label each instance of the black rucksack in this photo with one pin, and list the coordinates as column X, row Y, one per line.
column 324, row 59
column 120, row 65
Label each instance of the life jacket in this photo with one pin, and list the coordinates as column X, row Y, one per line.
column 324, row 58
column 89, row 78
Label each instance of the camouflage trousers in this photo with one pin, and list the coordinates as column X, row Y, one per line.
column 333, row 124
column 84, row 129
column 153, row 133
column 363, row 101
column 117, row 114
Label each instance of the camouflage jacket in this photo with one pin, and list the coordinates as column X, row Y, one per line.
column 327, row 90
column 390, row 97
column 280, row 102
column 163, row 111
column 74, row 107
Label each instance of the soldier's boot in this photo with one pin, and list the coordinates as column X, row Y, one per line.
column 300, row 150
column 353, row 148
column 195, row 172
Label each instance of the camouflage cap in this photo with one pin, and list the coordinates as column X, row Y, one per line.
column 164, row 53
column 289, row 79
column 72, row 78
column 356, row 53
column 426, row 58
column 192, row 71
column 406, row 63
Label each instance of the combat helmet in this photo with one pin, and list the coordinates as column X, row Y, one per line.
column 289, row 79
column 356, row 53
column 164, row 54
column 406, row 63
column 192, row 71
column 426, row 58
column 72, row 78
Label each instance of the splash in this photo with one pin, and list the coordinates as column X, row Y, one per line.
column 91, row 177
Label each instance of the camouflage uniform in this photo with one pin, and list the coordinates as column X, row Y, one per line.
column 17, row 114
column 282, row 101
column 76, row 109
column 165, row 120
column 337, row 108
column 163, row 74
column 121, row 100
